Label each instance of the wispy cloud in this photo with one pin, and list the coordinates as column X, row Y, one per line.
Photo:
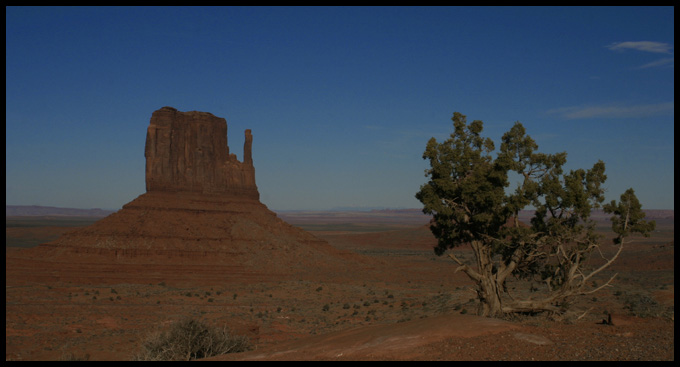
column 661, row 62
column 647, row 46
column 614, row 111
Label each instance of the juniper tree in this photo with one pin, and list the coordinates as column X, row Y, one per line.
column 467, row 198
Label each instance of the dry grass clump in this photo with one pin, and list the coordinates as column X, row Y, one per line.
column 190, row 339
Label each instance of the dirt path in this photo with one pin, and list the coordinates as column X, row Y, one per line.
column 379, row 341
column 464, row 337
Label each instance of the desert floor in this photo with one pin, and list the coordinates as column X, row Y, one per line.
column 400, row 302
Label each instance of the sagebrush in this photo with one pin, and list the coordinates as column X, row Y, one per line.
column 190, row 339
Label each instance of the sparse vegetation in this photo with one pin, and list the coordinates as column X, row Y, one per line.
column 190, row 339
column 71, row 357
column 642, row 305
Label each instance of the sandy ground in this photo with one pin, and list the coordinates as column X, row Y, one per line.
column 397, row 302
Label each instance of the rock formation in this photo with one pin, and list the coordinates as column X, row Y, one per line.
column 201, row 208
column 188, row 151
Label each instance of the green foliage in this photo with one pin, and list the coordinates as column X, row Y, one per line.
column 466, row 192
column 466, row 189
column 467, row 195
column 628, row 217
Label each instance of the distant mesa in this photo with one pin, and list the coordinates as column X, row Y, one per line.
column 42, row 211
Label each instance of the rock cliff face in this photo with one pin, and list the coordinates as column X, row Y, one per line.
column 188, row 151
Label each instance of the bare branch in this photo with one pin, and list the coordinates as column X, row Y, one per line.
column 606, row 265
column 580, row 317
column 466, row 269
column 607, row 284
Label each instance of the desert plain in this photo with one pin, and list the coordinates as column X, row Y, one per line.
column 381, row 295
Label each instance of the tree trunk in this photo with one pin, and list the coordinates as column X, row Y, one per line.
column 489, row 298
column 488, row 290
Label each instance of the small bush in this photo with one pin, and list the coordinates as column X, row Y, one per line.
column 642, row 305
column 70, row 357
column 190, row 339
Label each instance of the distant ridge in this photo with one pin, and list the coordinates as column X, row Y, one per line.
column 365, row 212
column 36, row 210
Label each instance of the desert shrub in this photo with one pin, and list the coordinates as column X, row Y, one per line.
column 70, row 357
column 190, row 339
column 642, row 306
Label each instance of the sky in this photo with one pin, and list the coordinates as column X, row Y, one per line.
column 341, row 100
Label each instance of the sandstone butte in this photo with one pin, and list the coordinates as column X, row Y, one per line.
column 201, row 208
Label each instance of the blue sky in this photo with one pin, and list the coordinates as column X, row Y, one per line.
column 341, row 101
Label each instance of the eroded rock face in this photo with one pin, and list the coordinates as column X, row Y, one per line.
column 188, row 151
